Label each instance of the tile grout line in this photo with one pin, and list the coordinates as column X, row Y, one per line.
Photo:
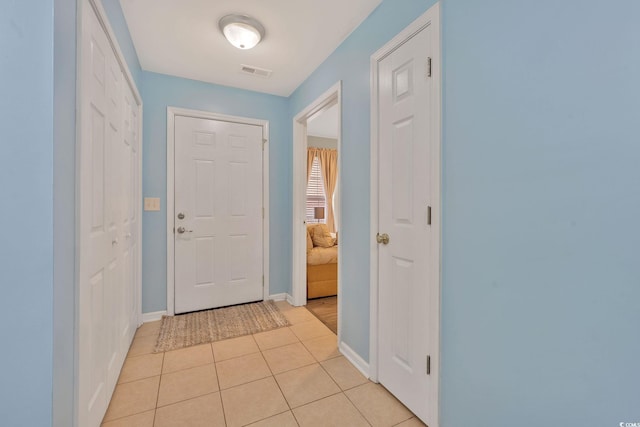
column 408, row 419
column 270, row 416
column 295, row 418
column 193, row 397
column 316, row 400
column 185, row 400
column 319, row 399
column 141, row 378
column 280, row 388
column 235, row 385
column 358, row 409
column 155, row 410
column 281, row 392
column 132, row 414
column 277, row 384
column 330, row 377
column 215, row 369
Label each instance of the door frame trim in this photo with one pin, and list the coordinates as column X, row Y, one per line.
column 172, row 112
column 328, row 99
column 430, row 18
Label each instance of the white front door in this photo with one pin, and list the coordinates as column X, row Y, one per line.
column 406, row 283
column 218, row 218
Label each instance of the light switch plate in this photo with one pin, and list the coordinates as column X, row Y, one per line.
column 152, row 203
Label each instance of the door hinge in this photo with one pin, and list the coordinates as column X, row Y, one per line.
column 428, row 365
column 428, row 67
column 262, row 213
column 264, row 142
column 428, row 215
column 263, row 280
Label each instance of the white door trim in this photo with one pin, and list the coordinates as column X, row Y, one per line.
column 102, row 16
column 328, row 99
column 431, row 17
column 172, row 112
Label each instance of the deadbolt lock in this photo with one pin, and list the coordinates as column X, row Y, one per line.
column 180, row 215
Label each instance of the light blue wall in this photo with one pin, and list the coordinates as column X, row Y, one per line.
column 160, row 91
column 64, row 169
column 26, row 192
column 541, row 279
column 121, row 30
column 350, row 63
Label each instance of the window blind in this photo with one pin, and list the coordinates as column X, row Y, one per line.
column 315, row 191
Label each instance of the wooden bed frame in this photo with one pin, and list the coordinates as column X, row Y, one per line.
column 322, row 280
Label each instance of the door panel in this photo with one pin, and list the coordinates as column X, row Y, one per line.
column 405, row 147
column 97, row 267
column 218, row 189
column 130, row 205
column 113, row 175
column 107, row 191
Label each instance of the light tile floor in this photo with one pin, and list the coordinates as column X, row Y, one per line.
column 291, row 376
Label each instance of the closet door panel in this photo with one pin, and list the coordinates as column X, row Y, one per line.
column 108, row 220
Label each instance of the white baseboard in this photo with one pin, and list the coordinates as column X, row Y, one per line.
column 282, row 297
column 152, row 317
column 290, row 300
column 354, row 358
column 278, row 297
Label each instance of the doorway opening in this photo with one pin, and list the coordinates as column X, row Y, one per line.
column 316, row 199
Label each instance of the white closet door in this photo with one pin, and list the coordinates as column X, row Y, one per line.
column 406, row 287
column 107, row 221
column 130, row 202
column 112, row 179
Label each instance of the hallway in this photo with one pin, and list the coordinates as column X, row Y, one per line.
column 286, row 377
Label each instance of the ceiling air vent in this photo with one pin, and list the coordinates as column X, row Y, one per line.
column 255, row 71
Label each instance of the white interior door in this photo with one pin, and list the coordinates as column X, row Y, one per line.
column 130, row 196
column 218, row 218
column 108, row 195
column 405, row 277
column 113, row 177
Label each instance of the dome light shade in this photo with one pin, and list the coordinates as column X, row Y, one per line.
column 242, row 31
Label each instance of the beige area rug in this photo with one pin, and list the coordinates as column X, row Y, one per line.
column 190, row 329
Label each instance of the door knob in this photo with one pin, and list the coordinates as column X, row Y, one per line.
column 182, row 230
column 382, row 238
column 180, row 215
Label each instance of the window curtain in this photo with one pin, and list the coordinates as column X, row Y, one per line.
column 329, row 166
column 311, row 154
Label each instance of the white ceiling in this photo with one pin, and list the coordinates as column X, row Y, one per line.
column 324, row 124
column 182, row 38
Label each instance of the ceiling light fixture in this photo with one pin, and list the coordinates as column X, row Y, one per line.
column 242, row 31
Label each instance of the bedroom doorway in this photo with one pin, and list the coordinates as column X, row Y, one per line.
column 316, row 198
column 320, row 209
